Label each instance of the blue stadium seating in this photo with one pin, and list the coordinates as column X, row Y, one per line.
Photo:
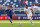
column 17, row 12
column 11, row 2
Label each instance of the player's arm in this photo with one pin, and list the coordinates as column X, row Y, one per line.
column 33, row 11
column 25, row 12
column 13, row 6
column 14, row 13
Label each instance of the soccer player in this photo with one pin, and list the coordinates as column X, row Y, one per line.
column 28, row 12
column 9, row 12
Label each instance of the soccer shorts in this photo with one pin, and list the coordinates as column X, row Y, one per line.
column 28, row 15
column 10, row 16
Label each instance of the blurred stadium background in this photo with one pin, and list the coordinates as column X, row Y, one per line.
column 19, row 9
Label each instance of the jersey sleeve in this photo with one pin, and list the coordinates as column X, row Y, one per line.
column 12, row 10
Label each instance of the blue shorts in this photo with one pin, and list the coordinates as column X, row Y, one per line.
column 10, row 16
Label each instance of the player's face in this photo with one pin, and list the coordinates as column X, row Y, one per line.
column 26, row 7
column 8, row 7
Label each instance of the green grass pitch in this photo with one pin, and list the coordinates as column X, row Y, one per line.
column 24, row 23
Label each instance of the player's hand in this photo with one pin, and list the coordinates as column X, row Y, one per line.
column 5, row 14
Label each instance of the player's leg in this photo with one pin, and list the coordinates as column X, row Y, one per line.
column 30, row 17
column 9, row 19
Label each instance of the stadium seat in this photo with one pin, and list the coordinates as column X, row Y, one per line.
column 16, row 4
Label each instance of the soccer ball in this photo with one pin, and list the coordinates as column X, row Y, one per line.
column 19, row 24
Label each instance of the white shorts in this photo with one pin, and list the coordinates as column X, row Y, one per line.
column 28, row 15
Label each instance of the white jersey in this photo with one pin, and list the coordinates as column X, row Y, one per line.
column 26, row 2
column 27, row 10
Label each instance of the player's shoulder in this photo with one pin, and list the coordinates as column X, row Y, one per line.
column 24, row 8
column 11, row 9
column 29, row 7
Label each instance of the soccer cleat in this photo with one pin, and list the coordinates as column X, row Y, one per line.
column 32, row 24
column 12, row 23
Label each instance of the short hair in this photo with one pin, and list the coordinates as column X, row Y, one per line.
column 9, row 6
column 26, row 5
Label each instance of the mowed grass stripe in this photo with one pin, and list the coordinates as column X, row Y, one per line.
column 21, row 21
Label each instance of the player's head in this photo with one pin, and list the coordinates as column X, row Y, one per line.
column 26, row 6
column 8, row 7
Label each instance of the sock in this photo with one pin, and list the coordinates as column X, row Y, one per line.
column 31, row 20
column 10, row 20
